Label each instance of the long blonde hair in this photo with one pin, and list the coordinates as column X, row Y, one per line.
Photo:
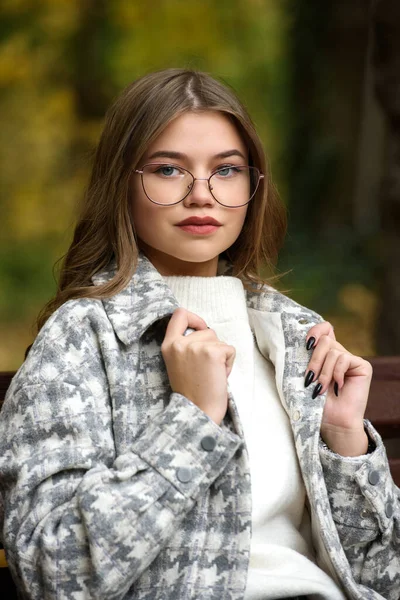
column 105, row 230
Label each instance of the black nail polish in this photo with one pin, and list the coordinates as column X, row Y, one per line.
column 310, row 343
column 309, row 378
column 336, row 388
column 316, row 391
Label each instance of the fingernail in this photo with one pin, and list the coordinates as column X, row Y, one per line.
column 309, row 378
column 316, row 391
column 336, row 388
column 310, row 343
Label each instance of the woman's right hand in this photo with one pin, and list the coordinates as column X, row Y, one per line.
column 198, row 365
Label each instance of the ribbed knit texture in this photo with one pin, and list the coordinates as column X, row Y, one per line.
column 281, row 559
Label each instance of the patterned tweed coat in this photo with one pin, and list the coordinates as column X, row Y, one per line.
column 116, row 488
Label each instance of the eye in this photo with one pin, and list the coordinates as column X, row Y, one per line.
column 227, row 171
column 168, row 171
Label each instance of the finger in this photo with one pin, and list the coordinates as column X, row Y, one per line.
column 230, row 360
column 317, row 331
column 180, row 321
column 318, row 356
column 214, row 348
column 202, row 335
column 219, row 351
column 334, row 366
column 353, row 366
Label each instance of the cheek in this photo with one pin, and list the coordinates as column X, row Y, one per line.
column 150, row 221
column 236, row 226
column 144, row 219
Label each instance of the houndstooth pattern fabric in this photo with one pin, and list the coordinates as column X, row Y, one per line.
column 109, row 493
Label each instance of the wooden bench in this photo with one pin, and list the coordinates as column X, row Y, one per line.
column 383, row 411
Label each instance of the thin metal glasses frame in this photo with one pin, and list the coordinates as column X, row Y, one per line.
column 141, row 171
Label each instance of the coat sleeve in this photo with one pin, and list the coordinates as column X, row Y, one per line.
column 80, row 519
column 365, row 506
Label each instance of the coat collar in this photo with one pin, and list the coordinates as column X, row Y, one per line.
column 147, row 299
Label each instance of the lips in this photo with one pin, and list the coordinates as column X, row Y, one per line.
column 199, row 221
column 199, row 229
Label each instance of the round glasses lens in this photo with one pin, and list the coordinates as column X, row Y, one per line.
column 166, row 184
column 233, row 185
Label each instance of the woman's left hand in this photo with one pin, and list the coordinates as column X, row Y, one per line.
column 342, row 427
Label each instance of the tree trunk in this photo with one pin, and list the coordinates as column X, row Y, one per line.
column 88, row 57
column 386, row 60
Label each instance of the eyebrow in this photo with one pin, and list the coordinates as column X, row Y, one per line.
column 182, row 156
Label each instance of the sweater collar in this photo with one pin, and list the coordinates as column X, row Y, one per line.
column 217, row 300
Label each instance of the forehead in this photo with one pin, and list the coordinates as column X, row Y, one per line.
column 208, row 131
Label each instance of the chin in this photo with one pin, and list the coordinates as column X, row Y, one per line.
column 195, row 258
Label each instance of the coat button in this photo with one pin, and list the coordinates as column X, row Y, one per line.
column 364, row 513
column 373, row 477
column 389, row 509
column 208, row 443
column 296, row 415
column 184, row 474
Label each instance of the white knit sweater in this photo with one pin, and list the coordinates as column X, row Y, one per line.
column 281, row 559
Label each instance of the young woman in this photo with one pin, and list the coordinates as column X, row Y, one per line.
column 167, row 371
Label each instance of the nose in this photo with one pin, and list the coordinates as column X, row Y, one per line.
column 199, row 193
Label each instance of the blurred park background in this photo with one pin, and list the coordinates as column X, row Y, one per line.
column 321, row 79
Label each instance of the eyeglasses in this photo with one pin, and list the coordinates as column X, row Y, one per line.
column 231, row 185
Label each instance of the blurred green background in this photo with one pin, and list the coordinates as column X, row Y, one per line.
column 318, row 79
